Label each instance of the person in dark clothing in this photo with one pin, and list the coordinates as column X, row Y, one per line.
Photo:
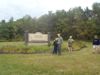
column 96, row 43
column 55, row 46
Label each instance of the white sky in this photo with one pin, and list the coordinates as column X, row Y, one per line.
column 36, row 8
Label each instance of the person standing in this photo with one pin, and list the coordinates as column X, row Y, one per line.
column 60, row 41
column 55, row 46
column 70, row 44
column 96, row 43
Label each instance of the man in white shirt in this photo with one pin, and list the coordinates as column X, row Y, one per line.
column 60, row 41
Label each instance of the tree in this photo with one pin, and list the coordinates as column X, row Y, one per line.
column 96, row 11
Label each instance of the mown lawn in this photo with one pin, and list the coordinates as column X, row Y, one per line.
column 81, row 62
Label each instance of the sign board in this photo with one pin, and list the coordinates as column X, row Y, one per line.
column 37, row 38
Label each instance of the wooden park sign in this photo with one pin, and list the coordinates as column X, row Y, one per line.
column 37, row 38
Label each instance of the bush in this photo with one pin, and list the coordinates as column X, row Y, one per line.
column 23, row 49
column 19, row 47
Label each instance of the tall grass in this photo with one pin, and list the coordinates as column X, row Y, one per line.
column 20, row 47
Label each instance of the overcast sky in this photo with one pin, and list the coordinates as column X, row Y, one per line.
column 36, row 8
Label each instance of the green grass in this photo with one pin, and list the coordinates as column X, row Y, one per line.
column 20, row 47
column 81, row 62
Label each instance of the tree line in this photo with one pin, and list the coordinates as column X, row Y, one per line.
column 80, row 23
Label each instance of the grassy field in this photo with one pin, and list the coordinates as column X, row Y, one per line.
column 81, row 62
